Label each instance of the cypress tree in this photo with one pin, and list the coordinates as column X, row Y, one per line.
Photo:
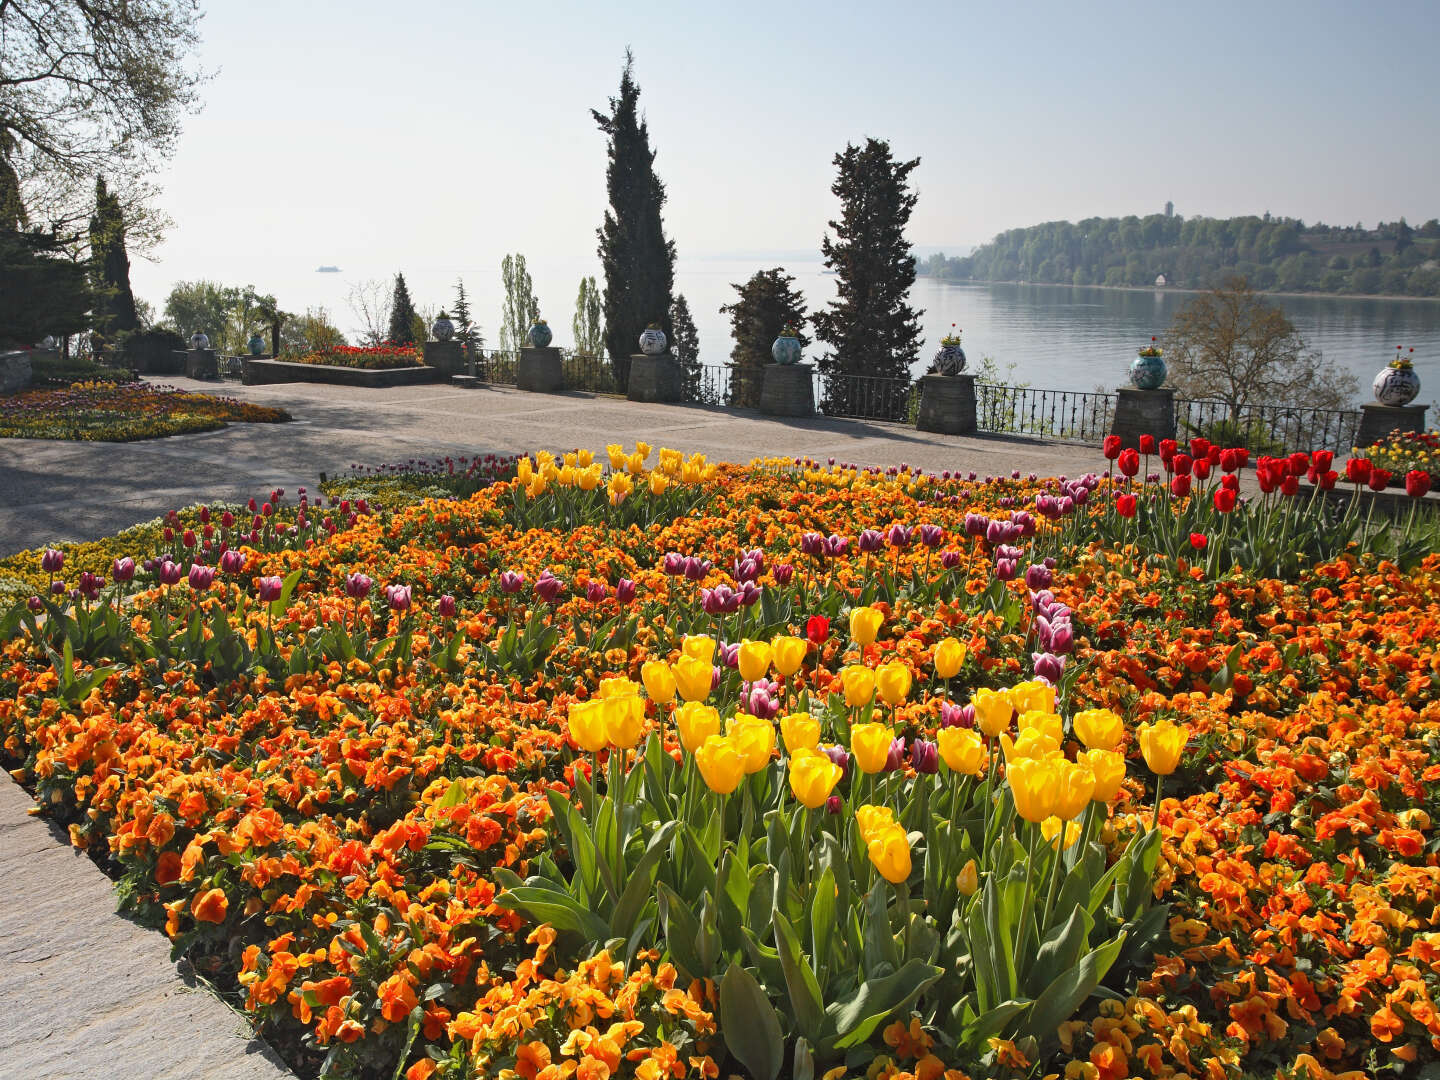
column 12, row 208
column 870, row 327
column 639, row 262
column 402, row 314
column 766, row 306
column 110, row 266
column 685, row 347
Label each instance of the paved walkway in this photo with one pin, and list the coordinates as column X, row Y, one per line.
column 80, row 491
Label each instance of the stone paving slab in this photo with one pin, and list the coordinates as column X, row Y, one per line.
column 86, row 993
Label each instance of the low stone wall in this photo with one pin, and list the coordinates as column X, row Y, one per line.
column 14, row 371
column 257, row 372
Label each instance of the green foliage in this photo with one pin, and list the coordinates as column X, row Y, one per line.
column 521, row 308
column 638, row 260
column 56, row 370
column 110, row 266
column 226, row 314
column 685, row 347
column 402, row 315
column 44, row 292
column 767, row 305
column 467, row 331
column 588, row 326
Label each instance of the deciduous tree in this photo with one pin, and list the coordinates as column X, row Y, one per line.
column 521, row 307
column 588, row 326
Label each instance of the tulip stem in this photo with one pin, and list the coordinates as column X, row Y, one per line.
column 1054, row 876
column 1155, row 815
column 1029, row 904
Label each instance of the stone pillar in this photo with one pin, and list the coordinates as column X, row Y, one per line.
column 788, row 390
column 539, row 371
column 1143, row 412
column 446, row 357
column 16, row 371
column 201, row 364
column 947, row 404
column 654, row 378
column 1378, row 421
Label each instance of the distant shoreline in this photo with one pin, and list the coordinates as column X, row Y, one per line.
column 1176, row 289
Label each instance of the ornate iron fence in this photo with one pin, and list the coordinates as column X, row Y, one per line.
column 588, row 372
column 1268, row 429
column 1072, row 415
column 866, row 397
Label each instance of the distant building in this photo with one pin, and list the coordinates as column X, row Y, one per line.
column 1160, row 281
column 1169, row 209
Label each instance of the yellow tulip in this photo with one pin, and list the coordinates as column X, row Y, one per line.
column 1031, row 743
column 544, row 457
column 700, row 647
column 873, row 819
column 1109, row 770
column 755, row 739
column 659, row 681
column 893, row 680
column 993, row 710
column 1162, row 744
column 968, row 880
column 624, row 720
column 754, row 659
column 1033, row 694
column 584, row 458
column 721, row 764
column 692, row 678
column 890, row 852
column 590, row 477
column 570, row 459
column 619, row 488
column 1032, row 785
column 537, row 486
column 635, row 464
column 949, row 658
column 870, row 743
column 697, row 722
column 658, row 483
column 643, row 449
column 587, row 725
column 865, row 624
column 1075, row 785
column 1046, row 723
column 1050, row 830
column 524, row 470
column 813, row 777
column 789, row 654
column 859, row 684
column 800, row 732
column 963, row 750
column 617, row 455
column 1099, row 729
column 617, row 686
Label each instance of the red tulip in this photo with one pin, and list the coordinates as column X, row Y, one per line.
column 1321, row 460
column 1290, row 485
column 1167, row 449
column 1378, row 478
column 1180, row 486
column 1417, row 483
column 1112, row 447
column 1182, row 464
column 1199, row 447
column 1225, row 500
column 1230, row 460
column 1125, row 505
column 1327, row 479
column 1147, row 444
column 817, row 629
column 1230, row 481
column 1201, row 468
column 1357, row 470
column 1129, row 462
column 1198, row 541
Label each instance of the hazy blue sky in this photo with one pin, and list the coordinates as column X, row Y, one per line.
column 447, row 133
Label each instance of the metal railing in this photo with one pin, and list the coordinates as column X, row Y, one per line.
column 588, row 372
column 718, row 384
column 866, row 397
column 1268, row 429
column 1073, row 415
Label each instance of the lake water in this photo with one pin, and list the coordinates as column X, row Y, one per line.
column 1056, row 337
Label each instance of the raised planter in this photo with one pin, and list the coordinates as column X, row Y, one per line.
column 788, row 390
column 1380, row 421
column 258, row 372
column 201, row 363
column 539, row 370
column 15, row 371
column 1143, row 412
column 446, row 357
column 654, row 378
column 947, row 404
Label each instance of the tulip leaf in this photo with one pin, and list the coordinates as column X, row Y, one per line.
column 881, row 955
column 707, row 937
column 803, row 991
column 1001, row 912
column 977, row 1031
column 857, row 1016
column 637, row 890
column 803, row 1067
column 765, row 959
column 750, row 1024
column 559, row 909
column 287, row 588
column 822, row 920
column 681, row 932
column 1064, row 994
column 1061, row 950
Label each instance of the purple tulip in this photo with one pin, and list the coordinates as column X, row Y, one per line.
column 869, row 541
column 835, row 546
column 1062, row 637
column 1007, row 569
column 1015, row 474
column 201, row 577
column 716, row 674
column 899, row 536
column 957, row 716
column 1048, row 666
column 269, row 589
column 696, row 569
column 896, row 757
column 170, row 573
column 398, row 597
column 1038, row 576
column 783, row 572
column 548, row 586
column 357, row 586
column 625, row 590
column 950, row 559
column 446, row 606
column 1005, row 551
column 761, row 700
column 57, row 587
column 750, row 594
column 832, row 804
column 122, row 570
column 839, row 756
column 674, row 564
column 749, row 565
column 89, row 585
column 596, row 591
column 1026, row 521
column 53, row 561
column 511, row 582
column 232, row 561
column 35, row 604
column 997, row 532
column 721, row 600
column 729, row 655
column 931, row 535
column 812, row 543
column 925, row 756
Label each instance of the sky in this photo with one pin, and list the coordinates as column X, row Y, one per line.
column 440, row 134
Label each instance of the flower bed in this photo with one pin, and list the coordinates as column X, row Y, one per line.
column 662, row 769
column 1405, row 452
column 106, row 412
column 369, row 358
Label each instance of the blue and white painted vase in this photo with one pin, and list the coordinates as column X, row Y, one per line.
column 1148, row 372
column 1396, row 386
column 949, row 360
column 199, row 340
column 443, row 329
column 540, row 334
column 652, row 341
column 256, row 344
column 786, row 349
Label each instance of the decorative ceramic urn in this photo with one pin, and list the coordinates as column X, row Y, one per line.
column 1396, row 385
column 652, row 340
column 443, row 329
column 199, row 340
column 256, row 344
column 540, row 334
column 1147, row 370
column 949, row 360
column 786, row 348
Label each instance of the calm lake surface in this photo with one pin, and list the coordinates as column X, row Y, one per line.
column 1056, row 337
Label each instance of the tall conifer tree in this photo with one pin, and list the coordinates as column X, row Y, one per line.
column 767, row 305
column 402, row 314
column 110, row 266
column 870, row 327
column 639, row 262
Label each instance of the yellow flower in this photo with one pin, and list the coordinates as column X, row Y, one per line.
column 1161, row 744
column 700, row 647
column 993, row 710
column 800, row 732
column 1031, row 743
column 754, row 659
column 872, row 819
column 865, row 624
column 754, row 738
column 789, row 654
column 643, row 449
column 658, row 483
column 583, row 458
column 870, row 743
column 624, row 718
column 697, row 722
column 968, row 880
column 1032, row 784
column 692, row 678
column 659, row 681
column 893, row 679
column 1075, row 784
column 1109, row 770
column 859, row 683
column 617, row 686
column 813, row 777
column 587, row 725
column 619, row 488
column 590, row 477
column 949, row 658
column 963, row 750
column 524, row 470
column 1047, row 723
column 617, row 455
column 635, row 464
column 721, row 764
column 1050, row 830
column 1099, row 729
column 1033, row 694
column 890, row 852
column 537, row 485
